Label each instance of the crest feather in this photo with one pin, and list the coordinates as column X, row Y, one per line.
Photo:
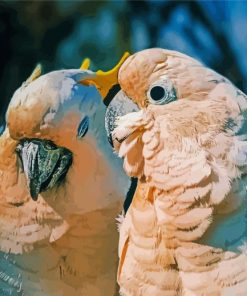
column 37, row 72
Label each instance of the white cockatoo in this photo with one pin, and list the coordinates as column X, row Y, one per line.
column 61, row 188
column 181, row 130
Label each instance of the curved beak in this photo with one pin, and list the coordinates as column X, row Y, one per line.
column 119, row 106
column 104, row 81
column 44, row 164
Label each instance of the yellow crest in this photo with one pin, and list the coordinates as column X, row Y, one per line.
column 85, row 64
column 35, row 74
column 104, row 80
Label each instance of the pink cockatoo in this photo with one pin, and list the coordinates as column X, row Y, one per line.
column 180, row 128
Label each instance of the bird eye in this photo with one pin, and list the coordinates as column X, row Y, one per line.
column 83, row 127
column 157, row 93
column 162, row 92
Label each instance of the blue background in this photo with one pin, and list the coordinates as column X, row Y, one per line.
column 59, row 34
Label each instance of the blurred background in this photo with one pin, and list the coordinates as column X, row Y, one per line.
column 59, row 34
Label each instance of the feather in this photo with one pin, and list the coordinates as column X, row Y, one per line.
column 187, row 220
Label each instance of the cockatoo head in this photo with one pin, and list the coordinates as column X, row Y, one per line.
column 162, row 81
column 158, row 76
column 47, row 116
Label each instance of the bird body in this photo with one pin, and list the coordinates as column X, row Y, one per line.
column 59, row 190
column 185, row 231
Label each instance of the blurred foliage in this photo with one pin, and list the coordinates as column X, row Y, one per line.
column 59, row 34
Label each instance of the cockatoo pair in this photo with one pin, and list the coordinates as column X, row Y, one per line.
column 180, row 129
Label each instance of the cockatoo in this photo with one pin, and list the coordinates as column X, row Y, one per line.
column 180, row 128
column 61, row 188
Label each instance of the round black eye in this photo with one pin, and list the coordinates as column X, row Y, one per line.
column 157, row 93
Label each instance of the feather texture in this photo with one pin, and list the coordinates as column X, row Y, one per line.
column 65, row 243
column 185, row 232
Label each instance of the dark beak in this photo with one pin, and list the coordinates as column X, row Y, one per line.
column 120, row 105
column 44, row 164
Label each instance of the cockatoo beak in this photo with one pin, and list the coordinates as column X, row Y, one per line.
column 119, row 106
column 103, row 81
column 44, row 164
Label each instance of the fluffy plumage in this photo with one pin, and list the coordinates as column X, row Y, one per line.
column 65, row 242
column 185, row 232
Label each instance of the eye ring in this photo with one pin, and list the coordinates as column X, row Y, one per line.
column 161, row 92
